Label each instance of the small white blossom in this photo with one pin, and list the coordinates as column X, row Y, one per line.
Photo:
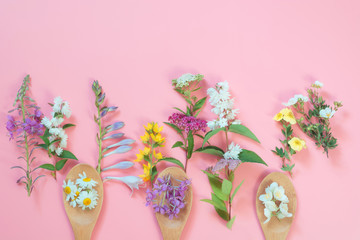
column 268, row 215
column 185, row 80
column 327, row 113
column 46, row 122
column 65, row 110
column 57, row 104
column 317, row 84
column 63, row 141
column 233, row 152
column 212, row 124
column 292, row 101
column 56, row 121
column 55, row 131
column 58, row 151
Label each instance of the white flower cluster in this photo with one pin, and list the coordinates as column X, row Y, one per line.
column 185, row 79
column 275, row 194
column 233, row 152
column 82, row 193
column 295, row 99
column 317, row 84
column 222, row 106
column 61, row 109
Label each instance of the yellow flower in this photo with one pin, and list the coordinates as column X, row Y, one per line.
column 146, row 175
column 139, row 156
column 146, row 151
column 288, row 115
column 149, row 127
column 297, row 144
column 158, row 155
column 157, row 129
column 278, row 117
column 157, row 138
column 145, row 138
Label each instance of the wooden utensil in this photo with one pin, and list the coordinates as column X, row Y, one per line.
column 276, row 229
column 172, row 229
column 83, row 221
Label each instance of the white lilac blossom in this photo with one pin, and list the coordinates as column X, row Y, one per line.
column 327, row 113
column 317, row 84
column 292, row 101
column 275, row 202
column 233, row 152
column 223, row 106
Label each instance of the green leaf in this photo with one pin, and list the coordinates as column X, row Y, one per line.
column 172, row 160
column 154, row 172
column 219, row 203
column 60, row 164
column 178, row 130
column 242, row 130
column 230, row 223
column 208, row 135
column 190, row 147
column 211, row 150
column 188, row 111
column 231, row 176
column 67, row 154
column 179, row 110
column 178, row 144
column 226, row 187
column 56, row 140
column 68, row 125
column 44, row 146
column 250, row 156
column 288, row 167
column 48, row 166
column 236, row 190
column 223, row 214
column 215, row 183
column 199, row 104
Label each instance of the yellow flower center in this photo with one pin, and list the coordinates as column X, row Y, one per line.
column 267, row 196
column 67, row 190
column 328, row 115
column 87, row 179
column 278, row 194
column 87, row 201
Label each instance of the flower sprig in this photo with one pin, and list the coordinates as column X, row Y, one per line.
column 55, row 139
column 221, row 176
column 26, row 131
column 106, row 133
column 167, row 197
column 291, row 144
column 186, row 123
column 275, row 202
column 153, row 140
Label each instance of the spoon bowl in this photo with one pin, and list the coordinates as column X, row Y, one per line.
column 172, row 229
column 276, row 229
column 83, row 221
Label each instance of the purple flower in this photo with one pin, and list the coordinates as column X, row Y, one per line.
column 168, row 199
column 187, row 123
column 222, row 163
column 11, row 126
column 32, row 126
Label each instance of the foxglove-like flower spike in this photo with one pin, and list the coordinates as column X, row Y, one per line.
column 120, row 165
column 131, row 181
column 114, row 136
column 121, row 149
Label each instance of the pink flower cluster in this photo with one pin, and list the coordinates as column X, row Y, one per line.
column 187, row 123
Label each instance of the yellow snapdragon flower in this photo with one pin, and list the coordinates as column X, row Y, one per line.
column 146, row 175
column 297, row 144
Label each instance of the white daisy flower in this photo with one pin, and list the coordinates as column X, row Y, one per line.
column 317, row 84
column 327, row 113
column 87, row 199
column 58, row 151
column 233, row 152
column 57, row 104
column 77, row 193
column 46, row 122
column 69, row 189
column 65, row 110
column 85, row 182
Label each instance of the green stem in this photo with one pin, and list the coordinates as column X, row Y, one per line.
column 29, row 182
column 100, row 141
column 228, row 172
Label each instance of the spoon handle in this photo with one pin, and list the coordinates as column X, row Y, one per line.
column 171, row 234
column 82, row 232
column 276, row 235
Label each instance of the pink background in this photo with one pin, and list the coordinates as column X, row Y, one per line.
column 266, row 50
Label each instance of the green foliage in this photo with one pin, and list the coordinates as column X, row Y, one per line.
column 211, row 150
column 244, row 131
column 250, row 156
column 172, row 160
column 209, row 134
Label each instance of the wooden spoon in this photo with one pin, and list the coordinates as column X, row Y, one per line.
column 83, row 221
column 276, row 229
column 172, row 229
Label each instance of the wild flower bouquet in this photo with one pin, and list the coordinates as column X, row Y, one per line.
column 221, row 176
column 186, row 123
column 25, row 129
column 106, row 133
column 314, row 121
column 55, row 138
